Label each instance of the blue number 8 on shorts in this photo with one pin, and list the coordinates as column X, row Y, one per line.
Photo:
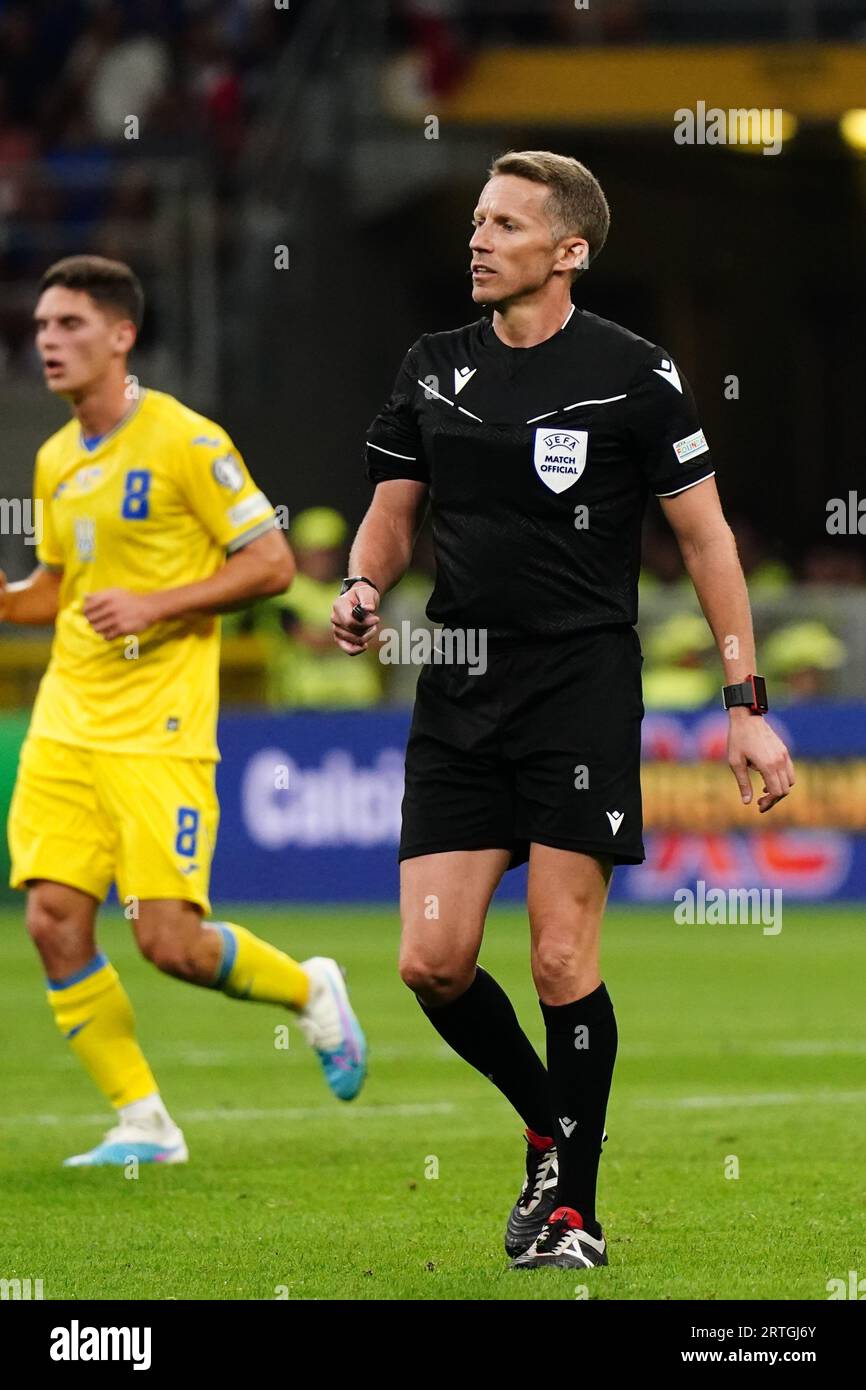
column 187, row 831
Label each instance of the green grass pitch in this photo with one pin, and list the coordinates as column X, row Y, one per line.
column 733, row 1046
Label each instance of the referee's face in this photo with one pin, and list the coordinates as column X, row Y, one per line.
column 513, row 250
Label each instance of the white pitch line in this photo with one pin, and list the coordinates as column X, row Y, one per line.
column 313, row 1112
column 736, row 1102
column 188, row 1055
column 419, row 1109
column 796, row 1047
column 235, row 1056
column 310, row 1112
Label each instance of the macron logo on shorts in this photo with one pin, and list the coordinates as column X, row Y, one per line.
column 616, row 819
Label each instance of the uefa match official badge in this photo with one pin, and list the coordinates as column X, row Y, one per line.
column 560, row 457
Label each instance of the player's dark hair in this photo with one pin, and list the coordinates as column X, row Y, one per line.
column 111, row 284
column 576, row 205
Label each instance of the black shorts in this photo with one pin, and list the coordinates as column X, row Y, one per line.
column 543, row 747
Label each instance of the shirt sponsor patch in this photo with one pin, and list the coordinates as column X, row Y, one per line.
column 256, row 505
column 691, row 446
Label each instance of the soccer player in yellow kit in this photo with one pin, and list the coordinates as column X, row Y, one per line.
column 150, row 527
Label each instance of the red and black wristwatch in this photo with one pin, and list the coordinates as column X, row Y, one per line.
column 751, row 692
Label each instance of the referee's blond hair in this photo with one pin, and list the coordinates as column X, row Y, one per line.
column 576, row 205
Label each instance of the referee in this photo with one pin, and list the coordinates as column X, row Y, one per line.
column 537, row 432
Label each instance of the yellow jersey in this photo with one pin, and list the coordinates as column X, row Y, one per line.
column 155, row 504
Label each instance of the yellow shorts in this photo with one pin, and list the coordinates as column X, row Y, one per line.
column 89, row 819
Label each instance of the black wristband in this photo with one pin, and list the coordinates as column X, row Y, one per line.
column 752, row 692
column 354, row 579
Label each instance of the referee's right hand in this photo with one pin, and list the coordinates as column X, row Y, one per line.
column 351, row 635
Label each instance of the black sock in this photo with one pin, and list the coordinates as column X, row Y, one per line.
column 581, row 1050
column 482, row 1028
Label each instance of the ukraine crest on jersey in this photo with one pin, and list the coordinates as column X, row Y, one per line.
column 156, row 505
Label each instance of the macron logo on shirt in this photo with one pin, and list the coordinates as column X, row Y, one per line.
column 668, row 372
column 462, row 375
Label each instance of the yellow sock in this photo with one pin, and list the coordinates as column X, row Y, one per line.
column 92, row 1010
column 253, row 969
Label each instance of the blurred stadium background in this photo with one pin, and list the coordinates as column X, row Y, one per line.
column 293, row 183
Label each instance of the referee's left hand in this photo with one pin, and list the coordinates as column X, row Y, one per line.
column 752, row 743
column 118, row 613
column 351, row 635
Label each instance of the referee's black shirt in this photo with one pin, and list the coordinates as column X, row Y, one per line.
column 539, row 461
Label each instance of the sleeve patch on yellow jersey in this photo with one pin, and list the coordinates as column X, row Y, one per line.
column 228, row 472
column 255, row 505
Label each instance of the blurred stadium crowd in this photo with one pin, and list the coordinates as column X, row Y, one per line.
column 446, row 33
column 70, row 179
column 71, row 171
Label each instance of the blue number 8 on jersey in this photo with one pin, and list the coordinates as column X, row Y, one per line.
column 136, row 495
